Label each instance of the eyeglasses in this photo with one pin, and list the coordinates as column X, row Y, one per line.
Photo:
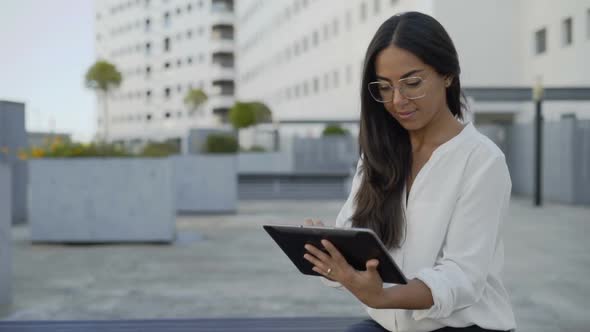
column 410, row 88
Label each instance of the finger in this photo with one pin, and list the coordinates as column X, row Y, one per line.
column 308, row 222
column 317, row 252
column 316, row 262
column 372, row 265
column 321, row 271
column 334, row 252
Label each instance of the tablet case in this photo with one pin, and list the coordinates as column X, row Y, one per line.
column 357, row 245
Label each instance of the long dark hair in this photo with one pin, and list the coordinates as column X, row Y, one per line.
column 383, row 143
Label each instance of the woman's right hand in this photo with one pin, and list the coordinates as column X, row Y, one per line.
column 311, row 222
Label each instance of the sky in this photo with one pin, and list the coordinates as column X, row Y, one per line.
column 46, row 48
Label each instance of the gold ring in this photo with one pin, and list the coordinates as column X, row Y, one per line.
column 329, row 271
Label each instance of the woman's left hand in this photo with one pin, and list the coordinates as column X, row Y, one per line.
column 367, row 285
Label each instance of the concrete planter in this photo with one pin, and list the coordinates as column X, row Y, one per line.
column 205, row 183
column 5, row 238
column 101, row 200
column 265, row 163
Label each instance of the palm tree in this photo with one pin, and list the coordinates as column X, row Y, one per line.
column 102, row 77
column 194, row 99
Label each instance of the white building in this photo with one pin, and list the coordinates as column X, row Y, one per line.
column 164, row 48
column 304, row 57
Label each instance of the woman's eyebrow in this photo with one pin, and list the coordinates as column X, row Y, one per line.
column 408, row 74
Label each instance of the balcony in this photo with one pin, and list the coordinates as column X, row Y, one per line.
column 220, row 102
column 220, row 73
column 223, row 87
column 222, row 18
column 222, row 6
column 222, row 32
column 221, row 46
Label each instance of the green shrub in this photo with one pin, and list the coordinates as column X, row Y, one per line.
column 65, row 149
column 257, row 148
column 159, row 149
column 221, row 143
column 334, row 130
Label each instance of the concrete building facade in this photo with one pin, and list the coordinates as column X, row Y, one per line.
column 304, row 57
column 165, row 48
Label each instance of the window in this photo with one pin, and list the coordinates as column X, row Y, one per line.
column 179, row 88
column 189, row 60
column 377, row 7
column 335, row 27
column 189, row 34
column 178, row 11
column 178, row 63
column 305, row 44
column 336, row 78
column 305, row 88
column 148, row 94
column 541, row 41
column 148, row 117
column 148, row 71
column 167, row 115
column 326, row 31
column 189, row 7
column 566, row 32
column 363, row 12
column 349, row 74
column 316, row 85
column 148, row 48
column 315, row 38
column 288, row 93
column 393, row 2
column 348, row 20
column 588, row 24
column 166, row 65
column 167, row 92
column 166, row 19
column 326, row 81
column 166, row 44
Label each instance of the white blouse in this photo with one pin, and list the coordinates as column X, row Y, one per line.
column 453, row 240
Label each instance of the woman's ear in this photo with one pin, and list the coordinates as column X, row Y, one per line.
column 448, row 81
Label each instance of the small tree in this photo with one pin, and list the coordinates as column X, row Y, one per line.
column 194, row 99
column 241, row 115
column 334, row 130
column 262, row 113
column 221, row 143
column 102, row 77
column 246, row 114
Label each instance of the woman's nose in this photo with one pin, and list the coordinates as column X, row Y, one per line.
column 398, row 98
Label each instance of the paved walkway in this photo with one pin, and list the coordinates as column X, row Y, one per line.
column 226, row 266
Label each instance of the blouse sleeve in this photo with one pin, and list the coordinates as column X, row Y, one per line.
column 459, row 276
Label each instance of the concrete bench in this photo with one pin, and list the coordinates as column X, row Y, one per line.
column 297, row 324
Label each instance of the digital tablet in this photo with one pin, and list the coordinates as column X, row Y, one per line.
column 357, row 245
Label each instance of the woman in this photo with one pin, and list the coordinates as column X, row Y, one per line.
column 435, row 190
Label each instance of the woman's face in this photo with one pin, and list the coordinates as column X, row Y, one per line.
column 419, row 81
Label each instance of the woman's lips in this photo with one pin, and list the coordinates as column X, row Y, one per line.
column 406, row 115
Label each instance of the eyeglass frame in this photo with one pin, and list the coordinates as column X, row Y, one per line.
column 393, row 87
